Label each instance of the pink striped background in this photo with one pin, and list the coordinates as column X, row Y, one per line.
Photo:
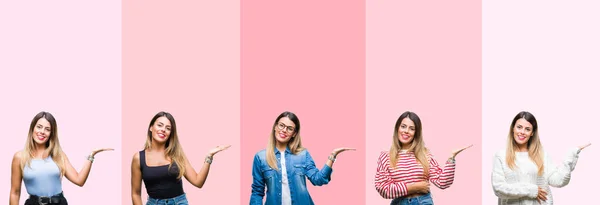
column 226, row 69
column 299, row 56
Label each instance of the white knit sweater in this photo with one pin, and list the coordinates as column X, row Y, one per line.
column 520, row 186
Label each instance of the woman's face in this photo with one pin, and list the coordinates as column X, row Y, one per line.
column 161, row 130
column 41, row 131
column 406, row 131
column 285, row 130
column 522, row 131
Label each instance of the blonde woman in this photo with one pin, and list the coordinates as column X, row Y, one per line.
column 404, row 173
column 162, row 164
column 523, row 172
column 42, row 164
column 284, row 166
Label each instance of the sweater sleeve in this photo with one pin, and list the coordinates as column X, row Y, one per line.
column 441, row 178
column 385, row 185
column 505, row 190
column 560, row 176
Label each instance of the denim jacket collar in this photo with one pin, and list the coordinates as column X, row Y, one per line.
column 287, row 150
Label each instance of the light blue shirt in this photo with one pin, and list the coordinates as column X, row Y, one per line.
column 42, row 177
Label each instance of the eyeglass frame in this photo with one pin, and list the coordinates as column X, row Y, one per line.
column 281, row 126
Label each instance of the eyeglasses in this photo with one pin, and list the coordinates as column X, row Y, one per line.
column 288, row 129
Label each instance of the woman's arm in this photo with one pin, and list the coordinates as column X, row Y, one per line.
column 258, row 182
column 441, row 178
column 79, row 178
column 315, row 176
column 136, row 180
column 390, row 189
column 321, row 177
column 15, row 179
column 505, row 190
column 561, row 176
column 198, row 179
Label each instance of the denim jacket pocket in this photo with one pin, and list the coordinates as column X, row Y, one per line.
column 299, row 169
column 269, row 174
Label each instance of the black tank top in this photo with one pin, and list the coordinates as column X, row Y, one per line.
column 161, row 182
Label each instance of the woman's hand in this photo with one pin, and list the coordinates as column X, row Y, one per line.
column 217, row 149
column 584, row 146
column 336, row 151
column 459, row 151
column 541, row 195
column 96, row 151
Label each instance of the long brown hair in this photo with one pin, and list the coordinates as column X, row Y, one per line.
column 417, row 145
column 173, row 149
column 534, row 145
column 53, row 148
column 295, row 144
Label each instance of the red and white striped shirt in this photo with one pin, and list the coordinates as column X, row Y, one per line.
column 391, row 182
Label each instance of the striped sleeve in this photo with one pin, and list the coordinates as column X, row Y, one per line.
column 384, row 183
column 442, row 178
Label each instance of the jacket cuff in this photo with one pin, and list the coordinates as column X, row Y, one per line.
column 327, row 170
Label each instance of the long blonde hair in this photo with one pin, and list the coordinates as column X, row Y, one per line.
column 295, row 144
column 534, row 146
column 173, row 148
column 417, row 145
column 53, row 148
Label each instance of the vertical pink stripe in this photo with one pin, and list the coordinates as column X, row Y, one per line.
column 63, row 57
column 543, row 58
column 307, row 57
column 183, row 57
column 426, row 57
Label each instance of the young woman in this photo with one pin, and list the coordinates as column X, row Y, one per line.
column 284, row 166
column 404, row 173
column 42, row 164
column 522, row 173
column 162, row 163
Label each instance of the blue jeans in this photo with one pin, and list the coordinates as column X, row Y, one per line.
column 419, row 200
column 178, row 200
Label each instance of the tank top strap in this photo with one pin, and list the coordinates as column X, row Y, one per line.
column 142, row 159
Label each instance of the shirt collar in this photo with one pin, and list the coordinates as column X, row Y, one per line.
column 287, row 150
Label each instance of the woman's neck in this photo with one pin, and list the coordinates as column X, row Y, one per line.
column 40, row 150
column 157, row 147
column 522, row 148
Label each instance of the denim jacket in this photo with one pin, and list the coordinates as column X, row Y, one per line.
column 298, row 166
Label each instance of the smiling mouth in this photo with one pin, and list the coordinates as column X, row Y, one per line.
column 281, row 135
column 521, row 137
column 162, row 135
column 41, row 138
